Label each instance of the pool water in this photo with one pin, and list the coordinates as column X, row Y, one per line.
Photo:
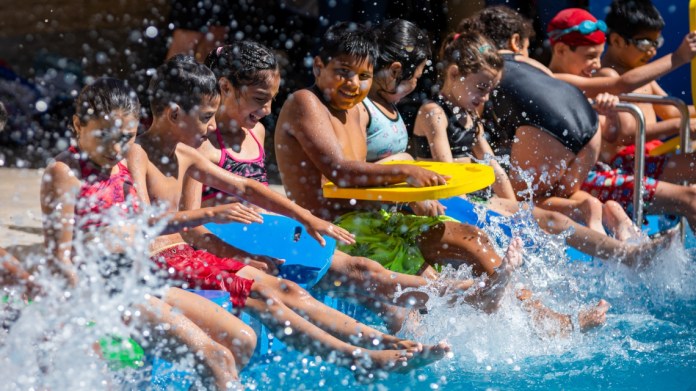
column 648, row 341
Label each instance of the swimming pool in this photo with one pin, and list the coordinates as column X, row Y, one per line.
column 648, row 342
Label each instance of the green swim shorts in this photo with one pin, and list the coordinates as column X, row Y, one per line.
column 388, row 238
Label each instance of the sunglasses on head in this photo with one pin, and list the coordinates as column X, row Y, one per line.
column 645, row 44
column 584, row 28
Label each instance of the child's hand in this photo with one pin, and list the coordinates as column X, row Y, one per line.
column 605, row 103
column 235, row 212
column 266, row 264
column 427, row 208
column 317, row 227
column 687, row 50
column 420, row 177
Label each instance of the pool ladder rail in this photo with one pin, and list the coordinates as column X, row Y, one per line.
column 627, row 105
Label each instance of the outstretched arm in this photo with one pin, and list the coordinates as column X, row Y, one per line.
column 637, row 77
column 306, row 119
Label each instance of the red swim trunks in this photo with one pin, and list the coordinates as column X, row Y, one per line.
column 204, row 270
column 654, row 165
column 608, row 183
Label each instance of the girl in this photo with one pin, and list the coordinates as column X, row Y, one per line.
column 78, row 187
column 184, row 98
column 248, row 77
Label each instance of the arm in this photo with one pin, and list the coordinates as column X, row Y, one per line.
column 59, row 188
column 202, row 170
column 502, row 187
column 306, row 119
column 637, row 77
column 431, row 122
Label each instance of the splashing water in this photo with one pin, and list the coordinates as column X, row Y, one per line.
column 648, row 341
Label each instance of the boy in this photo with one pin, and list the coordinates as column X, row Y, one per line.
column 576, row 58
column 184, row 97
column 321, row 133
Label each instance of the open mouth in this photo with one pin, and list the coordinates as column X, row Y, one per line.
column 349, row 95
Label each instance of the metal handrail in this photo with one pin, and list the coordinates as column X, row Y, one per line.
column 684, row 133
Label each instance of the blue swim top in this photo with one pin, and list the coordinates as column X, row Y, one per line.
column 385, row 136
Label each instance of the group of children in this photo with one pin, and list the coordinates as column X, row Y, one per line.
column 203, row 155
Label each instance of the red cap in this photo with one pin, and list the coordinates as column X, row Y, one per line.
column 570, row 17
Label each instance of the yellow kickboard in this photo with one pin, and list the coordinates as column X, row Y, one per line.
column 464, row 178
column 669, row 146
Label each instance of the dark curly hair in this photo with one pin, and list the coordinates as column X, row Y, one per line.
column 499, row 23
column 243, row 63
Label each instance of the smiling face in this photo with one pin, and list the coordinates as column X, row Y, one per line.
column 246, row 106
column 344, row 81
column 471, row 91
column 106, row 139
column 198, row 122
column 631, row 55
column 583, row 61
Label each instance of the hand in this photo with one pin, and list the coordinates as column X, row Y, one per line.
column 266, row 264
column 687, row 49
column 317, row 227
column 420, row 177
column 427, row 208
column 605, row 103
column 235, row 212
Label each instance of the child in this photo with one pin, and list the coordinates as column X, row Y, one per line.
column 321, row 133
column 78, row 187
column 442, row 135
column 248, row 77
column 184, row 98
column 343, row 71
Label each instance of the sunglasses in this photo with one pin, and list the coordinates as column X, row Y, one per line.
column 584, row 28
column 645, row 44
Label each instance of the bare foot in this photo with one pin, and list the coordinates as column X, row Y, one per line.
column 640, row 254
column 429, row 355
column 403, row 344
column 616, row 220
column 593, row 317
column 222, row 365
column 487, row 297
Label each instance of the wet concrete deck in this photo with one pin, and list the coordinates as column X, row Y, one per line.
column 20, row 210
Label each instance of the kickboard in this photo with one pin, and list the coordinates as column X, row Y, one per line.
column 464, row 178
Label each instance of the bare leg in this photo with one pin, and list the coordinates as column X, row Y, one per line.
column 215, row 356
column 457, row 244
column 675, row 199
column 580, row 207
column 305, row 336
column 617, row 221
column 332, row 321
column 680, row 168
column 223, row 327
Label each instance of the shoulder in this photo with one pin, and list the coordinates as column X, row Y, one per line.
column 608, row 72
column 259, row 132
column 431, row 118
column 430, row 110
column 61, row 176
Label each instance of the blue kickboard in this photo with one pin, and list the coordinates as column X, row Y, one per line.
column 463, row 210
column 306, row 261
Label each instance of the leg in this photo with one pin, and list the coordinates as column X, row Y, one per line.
column 304, row 335
column 225, row 328
column 333, row 321
column 679, row 168
column 215, row 356
column 580, row 207
column 614, row 217
column 675, row 199
column 365, row 276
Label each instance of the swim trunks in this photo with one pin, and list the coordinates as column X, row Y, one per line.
column 203, row 270
column 385, row 136
column 654, row 165
column 461, row 139
column 607, row 183
column 388, row 238
column 527, row 96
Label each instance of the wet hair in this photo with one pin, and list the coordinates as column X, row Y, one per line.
column 499, row 23
column 351, row 39
column 402, row 41
column 243, row 63
column 3, row 117
column 183, row 81
column 630, row 17
column 471, row 52
column 105, row 96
